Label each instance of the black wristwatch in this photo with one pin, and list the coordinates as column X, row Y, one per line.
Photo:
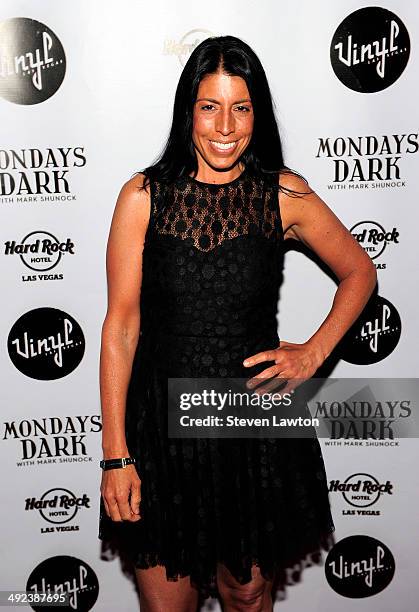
column 111, row 464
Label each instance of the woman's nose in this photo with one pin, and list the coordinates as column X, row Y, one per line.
column 225, row 123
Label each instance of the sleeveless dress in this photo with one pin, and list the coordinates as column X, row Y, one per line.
column 212, row 267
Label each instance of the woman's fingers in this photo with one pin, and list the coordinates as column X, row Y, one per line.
column 106, row 506
column 271, row 385
column 122, row 495
column 268, row 373
column 281, row 363
column 136, row 498
column 292, row 384
column 114, row 509
column 258, row 357
column 124, row 506
column 270, row 354
column 275, row 383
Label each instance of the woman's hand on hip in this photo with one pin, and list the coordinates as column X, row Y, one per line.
column 121, row 492
column 294, row 363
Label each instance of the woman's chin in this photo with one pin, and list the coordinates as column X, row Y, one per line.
column 223, row 163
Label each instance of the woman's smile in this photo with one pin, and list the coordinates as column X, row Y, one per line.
column 223, row 148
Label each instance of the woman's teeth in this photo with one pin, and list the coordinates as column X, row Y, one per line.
column 223, row 145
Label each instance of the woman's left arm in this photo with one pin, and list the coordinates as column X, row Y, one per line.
column 307, row 218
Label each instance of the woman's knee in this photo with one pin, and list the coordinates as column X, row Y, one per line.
column 245, row 598
column 251, row 597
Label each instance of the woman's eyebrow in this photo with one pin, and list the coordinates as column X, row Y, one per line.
column 217, row 102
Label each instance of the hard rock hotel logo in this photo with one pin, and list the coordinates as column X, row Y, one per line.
column 183, row 47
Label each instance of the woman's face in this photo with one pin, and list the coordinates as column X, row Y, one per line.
column 222, row 120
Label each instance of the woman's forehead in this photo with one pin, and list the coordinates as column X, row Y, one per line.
column 223, row 85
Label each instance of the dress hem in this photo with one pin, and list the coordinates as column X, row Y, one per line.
column 284, row 573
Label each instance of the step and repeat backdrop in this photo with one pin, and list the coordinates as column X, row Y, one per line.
column 86, row 92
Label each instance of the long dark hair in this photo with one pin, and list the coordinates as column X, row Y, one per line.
column 263, row 156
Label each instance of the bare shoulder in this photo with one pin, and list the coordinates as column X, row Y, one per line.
column 296, row 199
column 128, row 228
column 293, row 181
column 132, row 209
column 133, row 191
column 125, row 247
column 307, row 218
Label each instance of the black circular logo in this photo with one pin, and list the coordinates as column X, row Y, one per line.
column 32, row 61
column 359, row 566
column 64, row 574
column 370, row 49
column 374, row 335
column 46, row 344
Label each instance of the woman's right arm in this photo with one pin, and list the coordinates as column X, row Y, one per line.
column 120, row 332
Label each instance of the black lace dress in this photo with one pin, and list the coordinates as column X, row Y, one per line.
column 211, row 274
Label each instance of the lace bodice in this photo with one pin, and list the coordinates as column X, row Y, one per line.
column 206, row 215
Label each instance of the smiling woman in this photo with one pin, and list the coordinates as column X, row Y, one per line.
column 194, row 269
column 223, row 125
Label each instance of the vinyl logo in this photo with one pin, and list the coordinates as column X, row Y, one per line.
column 374, row 335
column 359, row 566
column 184, row 47
column 374, row 239
column 65, row 574
column 32, row 61
column 370, row 49
column 46, row 344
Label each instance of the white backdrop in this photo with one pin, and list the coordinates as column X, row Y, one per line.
column 111, row 112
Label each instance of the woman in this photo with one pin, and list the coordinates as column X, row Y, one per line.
column 195, row 247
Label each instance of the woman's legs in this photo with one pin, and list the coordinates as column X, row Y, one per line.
column 255, row 596
column 157, row 594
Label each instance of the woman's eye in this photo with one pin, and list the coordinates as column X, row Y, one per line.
column 209, row 107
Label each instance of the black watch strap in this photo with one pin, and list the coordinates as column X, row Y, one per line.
column 112, row 464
